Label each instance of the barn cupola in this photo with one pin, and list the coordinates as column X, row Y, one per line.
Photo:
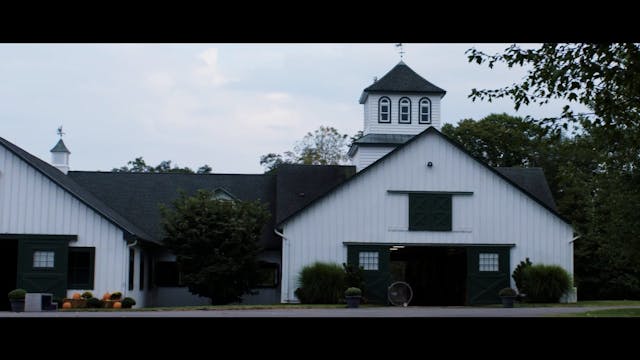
column 398, row 106
column 60, row 156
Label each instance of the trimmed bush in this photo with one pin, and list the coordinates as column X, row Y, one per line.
column 17, row 294
column 321, row 283
column 87, row 295
column 507, row 292
column 353, row 291
column 546, row 283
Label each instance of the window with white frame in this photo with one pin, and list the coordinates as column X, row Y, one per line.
column 425, row 111
column 488, row 262
column 43, row 259
column 384, row 110
column 368, row 260
column 404, row 116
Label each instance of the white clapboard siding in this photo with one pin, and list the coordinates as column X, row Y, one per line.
column 372, row 126
column 363, row 211
column 30, row 203
column 367, row 155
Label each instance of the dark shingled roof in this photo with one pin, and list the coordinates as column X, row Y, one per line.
column 298, row 185
column 527, row 179
column 532, row 180
column 60, row 147
column 404, row 80
column 379, row 140
column 76, row 190
column 137, row 196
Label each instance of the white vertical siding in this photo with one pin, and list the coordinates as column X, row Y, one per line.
column 372, row 126
column 363, row 211
column 30, row 203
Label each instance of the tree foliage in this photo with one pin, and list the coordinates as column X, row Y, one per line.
column 215, row 243
column 603, row 77
column 325, row 146
column 140, row 166
column 597, row 184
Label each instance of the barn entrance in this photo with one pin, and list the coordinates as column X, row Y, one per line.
column 8, row 270
column 436, row 274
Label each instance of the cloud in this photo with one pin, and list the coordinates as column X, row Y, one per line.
column 210, row 71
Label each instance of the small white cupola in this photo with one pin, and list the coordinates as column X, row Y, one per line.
column 60, row 156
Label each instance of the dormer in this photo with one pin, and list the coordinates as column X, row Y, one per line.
column 401, row 102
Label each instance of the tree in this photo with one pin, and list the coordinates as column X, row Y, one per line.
column 325, row 146
column 139, row 165
column 604, row 77
column 215, row 243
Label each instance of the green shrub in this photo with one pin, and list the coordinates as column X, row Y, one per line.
column 507, row 292
column 353, row 291
column 17, row 294
column 128, row 302
column 94, row 303
column 87, row 295
column 518, row 274
column 546, row 283
column 321, row 283
column 115, row 295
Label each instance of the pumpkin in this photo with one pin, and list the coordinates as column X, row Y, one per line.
column 76, row 296
column 106, row 296
column 66, row 305
column 117, row 305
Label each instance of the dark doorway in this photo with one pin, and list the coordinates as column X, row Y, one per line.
column 437, row 274
column 8, row 270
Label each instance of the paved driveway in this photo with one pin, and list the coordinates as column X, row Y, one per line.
column 329, row 313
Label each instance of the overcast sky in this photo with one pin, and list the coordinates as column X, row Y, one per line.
column 218, row 104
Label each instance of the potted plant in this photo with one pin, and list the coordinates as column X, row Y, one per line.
column 128, row 302
column 16, row 297
column 353, row 296
column 507, row 295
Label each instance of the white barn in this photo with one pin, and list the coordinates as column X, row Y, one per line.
column 414, row 206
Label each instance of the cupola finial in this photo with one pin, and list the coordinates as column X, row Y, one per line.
column 60, row 133
column 400, row 50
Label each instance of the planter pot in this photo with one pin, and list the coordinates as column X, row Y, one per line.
column 353, row 301
column 507, row 301
column 17, row 305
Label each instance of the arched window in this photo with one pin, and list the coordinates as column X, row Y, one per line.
column 425, row 111
column 384, row 110
column 404, row 111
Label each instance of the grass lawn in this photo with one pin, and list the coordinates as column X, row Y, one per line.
column 578, row 304
column 608, row 313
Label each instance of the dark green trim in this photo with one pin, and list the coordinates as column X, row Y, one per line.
column 38, row 237
column 400, row 111
column 430, row 129
column 132, row 267
column 430, row 192
column 92, row 266
column 379, row 112
column 420, row 111
column 426, row 244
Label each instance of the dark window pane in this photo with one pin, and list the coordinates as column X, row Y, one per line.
column 268, row 275
column 384, row 108
column 405, row 117
column 80, row 268
column 167, row 273
column 425, row 118
column 384, row 117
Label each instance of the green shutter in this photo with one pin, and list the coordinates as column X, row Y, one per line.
column 430, row 212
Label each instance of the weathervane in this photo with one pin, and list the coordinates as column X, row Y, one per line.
column 399, row 45
column 60, row 133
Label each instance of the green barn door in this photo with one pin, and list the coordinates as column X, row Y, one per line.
column 487, row 273
column 42, row 265
column 375, row 261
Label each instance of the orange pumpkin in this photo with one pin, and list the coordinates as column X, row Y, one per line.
column 117, row 305
column 66, row 305
column 106, row 296
column 76, row 296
